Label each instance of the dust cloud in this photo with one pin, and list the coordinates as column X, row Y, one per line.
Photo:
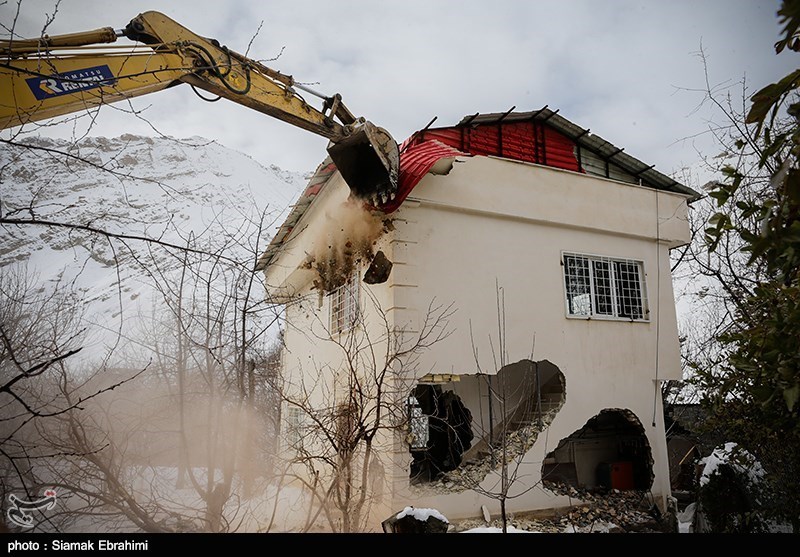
column 347, row 243
column 162, row 454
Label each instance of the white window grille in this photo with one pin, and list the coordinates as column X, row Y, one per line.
column 294, row 428
column 344, row 305
column 604, row 287
column 418, row 424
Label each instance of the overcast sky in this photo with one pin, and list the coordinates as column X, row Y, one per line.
column 624, row 69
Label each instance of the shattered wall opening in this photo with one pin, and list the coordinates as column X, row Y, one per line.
column 507, row 412
column 610, row 452
column 449, row 433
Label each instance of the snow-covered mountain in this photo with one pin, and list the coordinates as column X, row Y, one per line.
column 132, row 186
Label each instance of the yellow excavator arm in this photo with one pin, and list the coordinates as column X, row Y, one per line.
column 61, row 74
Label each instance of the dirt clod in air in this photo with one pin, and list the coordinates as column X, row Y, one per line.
column 379, row 269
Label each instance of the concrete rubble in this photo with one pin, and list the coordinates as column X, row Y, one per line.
column 612, row 512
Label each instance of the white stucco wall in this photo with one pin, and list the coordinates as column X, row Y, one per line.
column 493, row 223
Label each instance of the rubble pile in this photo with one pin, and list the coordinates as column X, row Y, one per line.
column 611, row 512
column 479, row 465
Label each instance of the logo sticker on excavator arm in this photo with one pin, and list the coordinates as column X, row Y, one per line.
column 70, row 82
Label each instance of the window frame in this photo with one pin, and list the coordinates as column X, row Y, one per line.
column 350, row 292
column 294, row 425
column 614, row 296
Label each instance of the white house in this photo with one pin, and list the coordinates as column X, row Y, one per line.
column 535, row 256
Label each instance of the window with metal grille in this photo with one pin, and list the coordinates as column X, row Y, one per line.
column 604, row 287
column 419, row 425
column 344, row 305
column 294, row 426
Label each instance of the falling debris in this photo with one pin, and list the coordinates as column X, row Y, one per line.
column 379, row 270
column 348, row 245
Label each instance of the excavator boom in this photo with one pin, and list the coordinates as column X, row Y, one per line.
column 62, row 74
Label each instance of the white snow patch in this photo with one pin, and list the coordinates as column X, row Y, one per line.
column 743, row 462
column 496, row 530
column 421, row 514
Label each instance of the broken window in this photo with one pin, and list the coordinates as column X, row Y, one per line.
column 344, row 305
column 604, row 287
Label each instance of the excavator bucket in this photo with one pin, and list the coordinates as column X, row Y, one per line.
column 369, row 161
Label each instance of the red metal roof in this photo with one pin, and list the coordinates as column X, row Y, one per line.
column 529, row 141
column 539, row 137
column 416, row 159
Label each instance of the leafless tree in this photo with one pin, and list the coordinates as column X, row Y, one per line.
column 206, row 405
column 492, row 466
column 349, row 416
column 41, row 335
column 214, row 361
column 211, row 338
